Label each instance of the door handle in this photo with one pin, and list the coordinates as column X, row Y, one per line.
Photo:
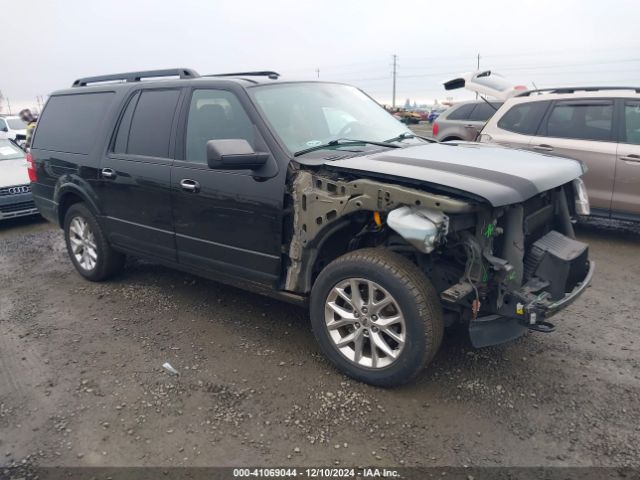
column 107, row 173
column 631, row 158
column 189, row 185
column 470, row 126
column 543, row 148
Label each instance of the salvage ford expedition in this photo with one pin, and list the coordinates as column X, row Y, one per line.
column 312, row 193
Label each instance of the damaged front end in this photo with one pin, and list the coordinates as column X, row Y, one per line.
column 501, row 270
column 523, row 264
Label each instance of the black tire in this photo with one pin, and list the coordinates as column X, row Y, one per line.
column 108, row 262
column 411, row 290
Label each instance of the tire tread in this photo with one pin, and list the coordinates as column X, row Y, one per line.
column 420, row 289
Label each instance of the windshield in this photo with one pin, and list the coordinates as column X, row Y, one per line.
column 16, row 124
column 306, row 115
column 8, row 151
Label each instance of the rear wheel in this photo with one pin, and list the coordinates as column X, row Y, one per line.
column 376, row 316
column 87, row 245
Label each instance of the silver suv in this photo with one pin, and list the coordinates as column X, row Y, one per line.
column 598, row 125
column 464, row 120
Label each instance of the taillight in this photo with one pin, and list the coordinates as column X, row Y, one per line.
column 435, row 128
column 31, row 168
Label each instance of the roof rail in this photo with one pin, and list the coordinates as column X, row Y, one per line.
column 137, row 76
column 574, row 89
column 263, row 73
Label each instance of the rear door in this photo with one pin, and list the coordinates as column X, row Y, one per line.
column 485, row 82
column 452, row 125
column 478, row 118
column 584, row 130
column 135, row 174
column 226, row 221
column 626, row 190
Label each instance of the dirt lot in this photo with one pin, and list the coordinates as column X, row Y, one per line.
column 424, row 129
column 81, row 381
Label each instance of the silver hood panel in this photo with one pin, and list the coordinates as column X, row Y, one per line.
column 500, row 175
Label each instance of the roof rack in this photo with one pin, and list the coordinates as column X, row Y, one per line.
column 575, row 89
column 263, row 73
column 137, row 76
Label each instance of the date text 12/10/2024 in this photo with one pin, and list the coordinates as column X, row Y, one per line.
column 315, row 472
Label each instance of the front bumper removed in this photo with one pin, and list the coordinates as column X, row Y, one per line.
column 497, row 329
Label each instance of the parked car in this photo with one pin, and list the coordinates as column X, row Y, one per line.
column 386, row 237
column 15, row 189
column 424, row 114
column 599, row 126
column 13, row 128
column 410, row 118
column 464, row 120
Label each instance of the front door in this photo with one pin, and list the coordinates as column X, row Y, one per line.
column 626, row 190
column 226, row 221
column 134, row 186
column 583, row 130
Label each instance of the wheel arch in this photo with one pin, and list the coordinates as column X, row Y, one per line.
column 329, row 244
column 68, row 194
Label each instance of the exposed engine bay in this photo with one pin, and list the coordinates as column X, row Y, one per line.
column 501, row 269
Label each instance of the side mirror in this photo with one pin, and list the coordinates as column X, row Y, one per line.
column 234, row 154
column 4, row 129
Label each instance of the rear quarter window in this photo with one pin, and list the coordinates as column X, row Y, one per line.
column 483, row 112
column 70, row 123
column 461, row 113
column 523, row 118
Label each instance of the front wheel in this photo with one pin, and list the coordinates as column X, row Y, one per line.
column 87, row 245
column 376, row 316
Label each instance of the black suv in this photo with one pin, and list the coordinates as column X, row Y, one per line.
column 311, row 192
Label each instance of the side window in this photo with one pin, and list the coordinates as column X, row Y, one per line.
column 2, row 125
column 483, row 112
column 462, row 112
column 150, row 128
column 584, row 120
column 632, row 123
column 523, row 118
column 71, row 123
column 215, row 115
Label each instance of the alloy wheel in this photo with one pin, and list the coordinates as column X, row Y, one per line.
column 83, row 244
column 365, row 323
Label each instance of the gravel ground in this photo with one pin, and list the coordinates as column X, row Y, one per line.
column 81, row 378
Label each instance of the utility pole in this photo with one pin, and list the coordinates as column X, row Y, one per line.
column 318, row 72
column 395, row 64
column 478, row 68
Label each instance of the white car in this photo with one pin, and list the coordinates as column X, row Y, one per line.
column 15, row 186
column 13, row 128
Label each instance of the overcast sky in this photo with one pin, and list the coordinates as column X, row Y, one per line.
column 49, row 43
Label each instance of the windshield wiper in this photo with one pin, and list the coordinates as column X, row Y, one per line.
column 405, row 135
column 341, row 142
